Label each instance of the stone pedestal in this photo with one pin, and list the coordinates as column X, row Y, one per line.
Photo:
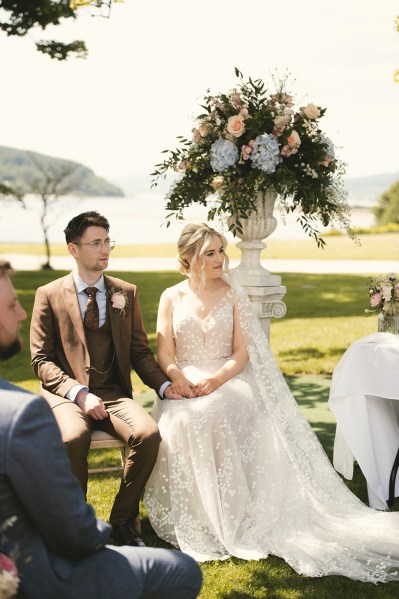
column 264, row 289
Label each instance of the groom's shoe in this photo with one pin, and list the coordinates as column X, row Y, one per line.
column 125, row 534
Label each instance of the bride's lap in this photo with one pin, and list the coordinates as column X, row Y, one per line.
column 238, row 393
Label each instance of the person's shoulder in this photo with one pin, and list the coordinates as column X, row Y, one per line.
column 118, row 284
column 55, row 285
column 171, row 293
column 13, row 398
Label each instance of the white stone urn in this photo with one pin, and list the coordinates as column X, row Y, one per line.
column 264, row 289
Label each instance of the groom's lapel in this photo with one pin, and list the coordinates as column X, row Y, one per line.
column 114, row 316
column 72, row 304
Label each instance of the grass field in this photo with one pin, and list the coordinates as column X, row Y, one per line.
column 307, row 348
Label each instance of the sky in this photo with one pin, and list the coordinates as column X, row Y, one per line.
column 151, row 63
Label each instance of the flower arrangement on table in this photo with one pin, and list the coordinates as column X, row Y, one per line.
column 248, row 141
column 384, row 294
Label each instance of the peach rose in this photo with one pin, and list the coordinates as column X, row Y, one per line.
column 235, row 125
column 294, row 140
column 204, row 129
column 217, row 182
column 311, row 111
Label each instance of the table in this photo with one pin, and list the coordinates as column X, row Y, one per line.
column 364, row 397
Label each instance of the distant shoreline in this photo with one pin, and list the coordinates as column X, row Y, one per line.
column 138, row 220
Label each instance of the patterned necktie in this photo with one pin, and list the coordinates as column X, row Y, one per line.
column 91, row 318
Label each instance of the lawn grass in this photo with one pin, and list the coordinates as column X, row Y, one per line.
column 338, row 247
column 324, row 316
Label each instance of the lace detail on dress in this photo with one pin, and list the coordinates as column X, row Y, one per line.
column 240, row 471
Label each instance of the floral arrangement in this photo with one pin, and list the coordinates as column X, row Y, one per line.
column 9, row 579
column 248, row 141
column 384, row 294
column 119, row 301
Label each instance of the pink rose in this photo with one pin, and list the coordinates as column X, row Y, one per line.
column 235, row 125
column 244, row 112
column 280, row 123
column 7, row 564
column 375, row 299
column 196, row 135
column 235, row 99
column 287, row 151
column 118, row 300
column 311, row 111
column 183, row 165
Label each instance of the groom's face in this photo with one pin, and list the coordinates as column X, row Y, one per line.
column 11, row 316
column 92, row 251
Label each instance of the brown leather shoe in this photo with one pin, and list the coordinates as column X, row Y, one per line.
column 125, row 534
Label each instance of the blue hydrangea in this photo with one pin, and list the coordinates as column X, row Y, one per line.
column 330, row 146
column 265, row 154
column 223, row 155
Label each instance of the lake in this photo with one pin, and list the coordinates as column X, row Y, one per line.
column 138, row 219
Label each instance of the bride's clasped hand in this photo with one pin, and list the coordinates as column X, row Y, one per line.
column 240, row 471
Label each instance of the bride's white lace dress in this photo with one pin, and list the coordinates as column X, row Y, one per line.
column 241, row 473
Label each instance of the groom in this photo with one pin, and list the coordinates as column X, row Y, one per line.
column 86, row 334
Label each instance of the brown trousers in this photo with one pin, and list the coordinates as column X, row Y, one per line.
column 127, row 421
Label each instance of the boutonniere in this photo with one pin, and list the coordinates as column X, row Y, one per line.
column 119, row 300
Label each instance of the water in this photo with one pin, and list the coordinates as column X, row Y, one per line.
column 139, row 219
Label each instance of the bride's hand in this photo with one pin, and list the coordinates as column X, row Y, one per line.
column 205, row 387
column 183, row 387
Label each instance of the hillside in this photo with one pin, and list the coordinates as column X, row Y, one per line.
column 20, row 168
column 365, row 191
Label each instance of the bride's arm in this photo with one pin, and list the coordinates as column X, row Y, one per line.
column 233, row 366
column 166, row 349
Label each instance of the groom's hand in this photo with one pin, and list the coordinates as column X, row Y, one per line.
column 171, row 393
column 91, row 405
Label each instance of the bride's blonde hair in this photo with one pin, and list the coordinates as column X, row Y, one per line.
column 193, row 243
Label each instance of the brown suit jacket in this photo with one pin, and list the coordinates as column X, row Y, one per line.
column 60, row 356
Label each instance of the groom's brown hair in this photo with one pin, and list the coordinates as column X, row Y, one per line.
column 77, row 226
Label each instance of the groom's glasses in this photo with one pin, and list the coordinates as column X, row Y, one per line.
column 97, row 245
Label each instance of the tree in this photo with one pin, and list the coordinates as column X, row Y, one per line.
column 387, row 209
column 8, row 193
column 52, row 181
column 19, row 17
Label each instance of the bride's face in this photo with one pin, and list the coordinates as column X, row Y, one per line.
column 214, row 257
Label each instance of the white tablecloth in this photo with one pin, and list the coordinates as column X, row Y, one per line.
column 364, row 398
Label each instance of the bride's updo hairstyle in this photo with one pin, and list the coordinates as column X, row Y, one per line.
column 193, row 243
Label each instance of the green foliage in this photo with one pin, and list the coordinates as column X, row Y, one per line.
column 387, row 209
column 19, row 17
column 22, row 170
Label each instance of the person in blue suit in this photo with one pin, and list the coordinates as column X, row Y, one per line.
column 59, row 542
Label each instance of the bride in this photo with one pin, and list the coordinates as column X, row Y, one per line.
column 240, row 471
